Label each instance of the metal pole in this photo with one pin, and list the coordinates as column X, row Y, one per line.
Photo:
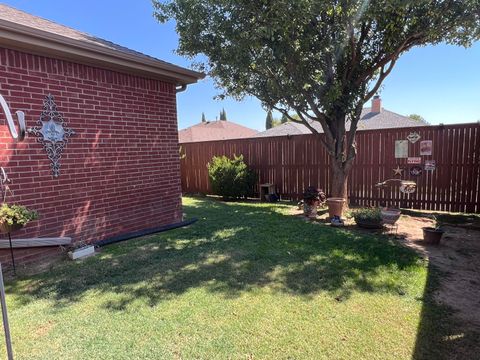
column 11, row 253
column 6, row 328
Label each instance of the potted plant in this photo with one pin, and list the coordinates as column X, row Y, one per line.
column 312, row 197
column 80, row 250
column 390, row 215
column 433, row 235
column 14, row 217
column 335, row 207
column 368, row 218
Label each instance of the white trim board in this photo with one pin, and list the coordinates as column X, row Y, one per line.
column 35, row 242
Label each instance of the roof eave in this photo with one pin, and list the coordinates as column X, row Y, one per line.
column 24, row 38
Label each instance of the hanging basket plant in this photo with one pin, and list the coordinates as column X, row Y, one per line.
column 14, row 217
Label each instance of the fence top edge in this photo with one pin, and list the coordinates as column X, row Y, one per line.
column 360, row 131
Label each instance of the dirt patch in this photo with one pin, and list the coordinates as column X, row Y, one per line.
column 458, row 258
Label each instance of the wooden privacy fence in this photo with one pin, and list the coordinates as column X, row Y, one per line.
column 294, row 162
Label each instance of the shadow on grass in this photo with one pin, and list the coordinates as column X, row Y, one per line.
column 233, row 248
column 441, row 335
column 240, row 247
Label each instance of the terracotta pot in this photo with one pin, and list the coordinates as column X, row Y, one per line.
column 390, row 216
column 335, row 206
column 310, row 209
column 7, row 228
column 432, row 235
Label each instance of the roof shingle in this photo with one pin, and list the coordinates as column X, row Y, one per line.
column 215, row 130
column 368, row 121
column 30, row 26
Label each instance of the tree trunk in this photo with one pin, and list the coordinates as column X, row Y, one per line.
column 339, row 180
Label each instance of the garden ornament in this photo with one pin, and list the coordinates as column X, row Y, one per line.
column 413, row 137
column 398, row 171
column 52, row 132
column 405, row 186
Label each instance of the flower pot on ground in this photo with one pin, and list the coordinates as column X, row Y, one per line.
column 432, row 235
column 368, row 218
column 390, row 215
column 335, row 207
column 81, row 251
column 14, row 217
column 310, row 209
column 312, row 198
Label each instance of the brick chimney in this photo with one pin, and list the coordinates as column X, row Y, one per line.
column 376, row 104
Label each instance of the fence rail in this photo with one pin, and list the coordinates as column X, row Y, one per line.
column 294, row 162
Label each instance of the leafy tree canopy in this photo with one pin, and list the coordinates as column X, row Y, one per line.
column 319, row 59
column 417, row 117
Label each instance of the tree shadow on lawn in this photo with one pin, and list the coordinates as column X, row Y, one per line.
column 441, row 335
column 233, row 248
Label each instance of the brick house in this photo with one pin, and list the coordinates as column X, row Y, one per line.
column 120, row 172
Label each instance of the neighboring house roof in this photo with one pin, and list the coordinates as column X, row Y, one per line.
column 22, row 31
column 368, row 121
column 215, row 130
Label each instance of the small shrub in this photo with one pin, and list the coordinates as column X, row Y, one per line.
column 231, row 178
column 369, row 215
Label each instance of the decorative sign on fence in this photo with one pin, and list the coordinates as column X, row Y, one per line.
column 408, row 187
column 416, row 170
column 52, row 133
column 397, row 171
column 413, row 137
column 430, row 165
column 414, row 160
column 401, row 149
column 426, row 147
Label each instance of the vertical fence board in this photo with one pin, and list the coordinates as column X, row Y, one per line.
column 294, row 162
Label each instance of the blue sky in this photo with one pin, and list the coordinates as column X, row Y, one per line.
column 441, row 83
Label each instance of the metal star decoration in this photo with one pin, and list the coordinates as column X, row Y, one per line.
column 397, row 171
column 52, row 133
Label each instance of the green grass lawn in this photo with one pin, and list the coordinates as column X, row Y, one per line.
column 246, row 281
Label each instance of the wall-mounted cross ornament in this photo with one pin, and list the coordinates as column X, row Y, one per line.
column 52, row 132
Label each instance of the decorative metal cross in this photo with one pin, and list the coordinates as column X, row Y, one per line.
column 52, row 133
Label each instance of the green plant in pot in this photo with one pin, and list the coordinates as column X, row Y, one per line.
column 369, row 218
column 14, row 217
column 312, row 198
column 433, row 235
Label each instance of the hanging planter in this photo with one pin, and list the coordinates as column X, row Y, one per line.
column 14, row 217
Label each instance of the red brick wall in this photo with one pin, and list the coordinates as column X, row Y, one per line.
column 119, row 173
